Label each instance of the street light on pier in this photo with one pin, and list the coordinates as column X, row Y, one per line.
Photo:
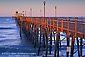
column 55, row 11
column 30, row 12
column 40, row 13
column 44, row 8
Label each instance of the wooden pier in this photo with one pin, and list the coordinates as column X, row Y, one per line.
column 74, row 28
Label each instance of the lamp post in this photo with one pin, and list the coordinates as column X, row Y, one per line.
column 44, row 8
column 31, row 12
column 40, row 13
column 55, row 11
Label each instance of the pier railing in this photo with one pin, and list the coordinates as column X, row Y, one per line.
column 75, row 26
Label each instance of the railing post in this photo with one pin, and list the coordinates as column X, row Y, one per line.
column 81, row 20
column 45, row 22
column 50, row 22
column 57, row 25
column 68, row 28
column 75, row 28
column 61, row 25
column 41, row 20
column 53, row 24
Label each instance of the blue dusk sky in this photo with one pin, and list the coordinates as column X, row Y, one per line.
column 64, row 7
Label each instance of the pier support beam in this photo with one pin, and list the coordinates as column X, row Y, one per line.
column 50, row 41
column 47, row 43
column 35, row 36
column 78, row 46
column 21, row 27
column 40, row 40
column 81, row 46
column 57, row 42
column 44, row 37
column 68, row 46
column 72, row 46
column 53, row 31
column 57, row 45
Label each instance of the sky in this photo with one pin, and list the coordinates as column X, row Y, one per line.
column 65, row 8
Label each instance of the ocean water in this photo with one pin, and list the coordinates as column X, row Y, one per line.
column 10, row 42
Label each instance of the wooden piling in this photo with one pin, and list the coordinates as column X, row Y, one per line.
column 47, row 40
column 21, row 27
column 44, row 37
column 78, row 46
column 81, row 47
column 68, row 48
column 53, row 30
column 50, row 41
column 35, row 36
column 50, row 38
column 33, row 32
column 57, row 45
column 40, row 41
column 57, row 42
column 68, row 39
column 72, row 46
